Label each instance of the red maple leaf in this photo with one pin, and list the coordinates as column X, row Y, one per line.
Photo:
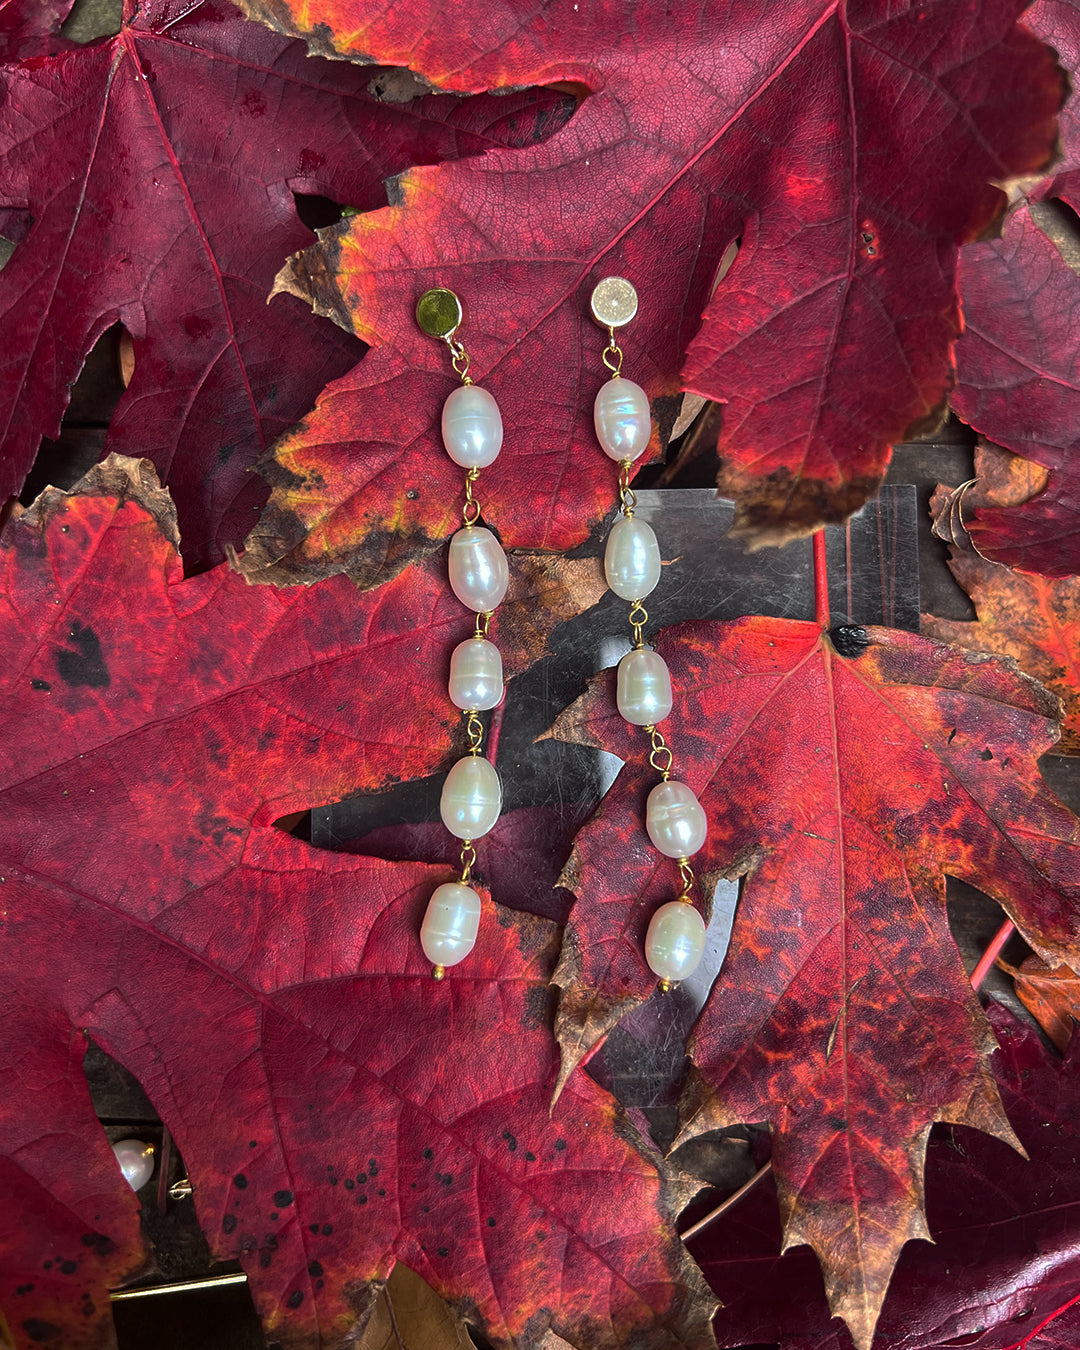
column 149, row 178
column 1003, row 1268
column 31, row 28
column 1018, row 359
column 829, row 337
column 337, row 1109
column 844, row 789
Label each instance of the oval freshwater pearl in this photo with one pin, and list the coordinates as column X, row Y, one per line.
column 622, row 420
column 675, row 821
column 632, row 559
column 476, row 675
column 471, row 798
column 479, row 572
column 136, row 1161
column 643, row 691
column 675, row 941
column 472, row 428
column 451, row 922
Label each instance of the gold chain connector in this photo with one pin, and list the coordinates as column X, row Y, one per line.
column 474, row 729
column 470, row 512
column 482, row 621
column 686, row 875
column 627, row 497
column 660, row 756
column 639, row 617
column 613, row 357
column 460, row 359
column 468, row 861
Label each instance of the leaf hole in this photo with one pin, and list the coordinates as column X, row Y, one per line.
column 89, row 20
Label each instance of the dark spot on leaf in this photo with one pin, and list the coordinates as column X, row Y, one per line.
column 327, row 1229
column 361, row 1199
column 264, row 1259
column 986, row 754
column 951, row 735
column 491, row 1223
column 511, row 1142
column 40, row 684
column 315, row 1268
column 240, row 1181
column 228, row 1223
column 380, row 1191
column 373, row 1168
column 48, row 1265
column 319, row 1284
column 313, row 1227
column 41, row 1332
column 444, row 1251
column 530, row 1157
column 85, row 665
column 273, row 1215
column 361, row 1177
column 412, row 494
column 253, row 1143
column 849, row 640
column 295, row 1299
column 68, row 1267
column 427, row 1209
column 283, row 1199
column 102, row 1245
column 560, row 1145
column 837, row 1123
column 446, row 1179
column 428, row 1153
column 349, row 1183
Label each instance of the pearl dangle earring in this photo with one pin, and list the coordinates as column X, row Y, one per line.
column 471, row 800
column 674, row 819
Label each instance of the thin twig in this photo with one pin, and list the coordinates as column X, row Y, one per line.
column 1000, row 938
column 733, row 1199
column 393, row 1319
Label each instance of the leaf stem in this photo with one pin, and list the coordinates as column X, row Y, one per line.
column 821, row 580
column 725, row 1205
column 1003, row 934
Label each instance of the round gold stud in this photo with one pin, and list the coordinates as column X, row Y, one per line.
column 614, row 302
column 439, row 312
column 438, row 973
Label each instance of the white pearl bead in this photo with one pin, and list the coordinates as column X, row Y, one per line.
column 643, row 691
column 676, row 941
column 675, row 821
column 472, row 428
column 622, row 420
column 471, row 798
column 476, row 675
column 632, row 559
column 479, row 572
column 136, row 1161
column 448, row 933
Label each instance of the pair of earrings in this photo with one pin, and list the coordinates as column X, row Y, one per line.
column 471, row 800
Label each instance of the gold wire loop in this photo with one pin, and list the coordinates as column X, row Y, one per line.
column 660, row 756
column 613, row 355
column 686, row 875
column 482, row 621
column 639, row 617
column 470, row 512
column 627, row 496
column 459, row 359
column 474, row 729
column 468, row 861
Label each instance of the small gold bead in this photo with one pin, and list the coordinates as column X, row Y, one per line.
column 665, row 986
column 439, row 973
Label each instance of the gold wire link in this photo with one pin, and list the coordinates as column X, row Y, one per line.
column 686, row 875
column 470, row 512
column 474, row 729
column 460, row 359
column 627, row 496
column 660, row 756
column 639, row 617
column 482, row 621
column 468, row 861
column 613, row 357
